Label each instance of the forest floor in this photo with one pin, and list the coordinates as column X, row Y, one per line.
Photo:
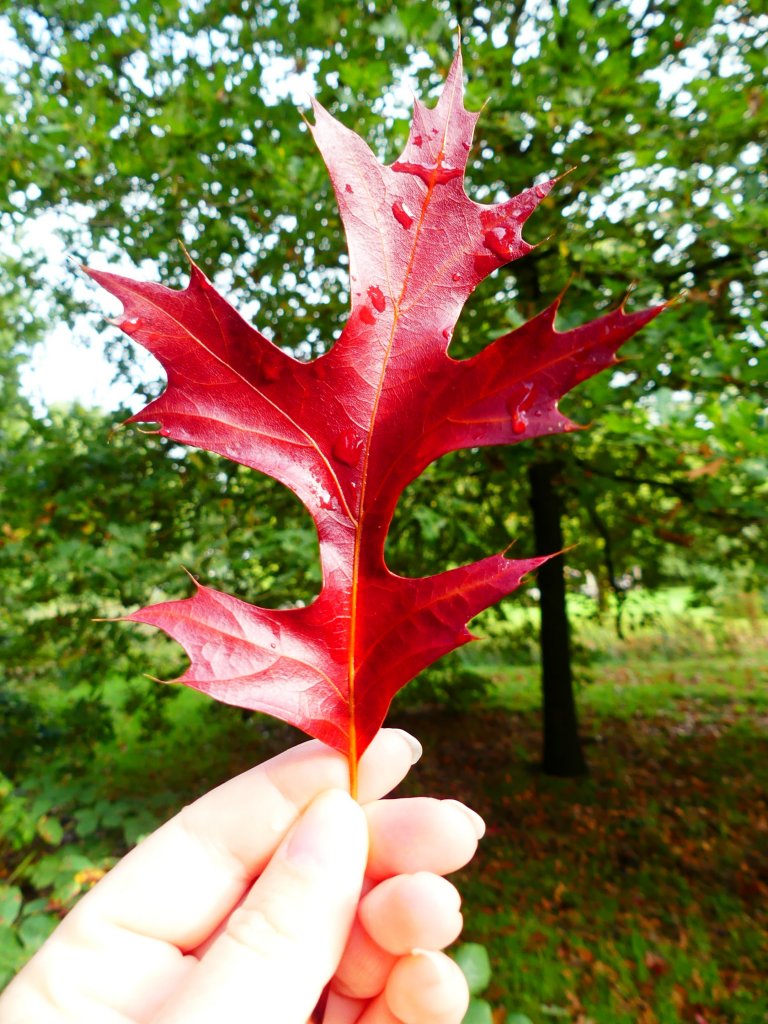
column 639, row 894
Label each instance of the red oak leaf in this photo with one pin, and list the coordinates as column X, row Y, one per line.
column 348, row 431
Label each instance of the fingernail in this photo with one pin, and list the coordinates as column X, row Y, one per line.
column 436, row 961
column 416, row 748
column 477, row 822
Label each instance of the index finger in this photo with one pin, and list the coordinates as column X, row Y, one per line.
column 185, row 878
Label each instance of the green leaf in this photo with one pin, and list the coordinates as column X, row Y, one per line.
column 34, row 930
column 475, row 964
column 87, row 822
column 58, row 869
column 479, row 1012
column 518, row 1018
column 10, row 903
column 11, row 954
column 50, row 829
column 138, row 827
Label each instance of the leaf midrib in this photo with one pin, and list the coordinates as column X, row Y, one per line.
column 354, row 595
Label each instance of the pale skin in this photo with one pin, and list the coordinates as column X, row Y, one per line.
column 249, row 902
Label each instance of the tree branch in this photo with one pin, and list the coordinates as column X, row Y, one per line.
column 618, row 593
column 683, row 491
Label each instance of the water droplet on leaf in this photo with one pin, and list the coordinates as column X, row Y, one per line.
column 402, row 214
column 348, row 447
column 519, row 422
column 432, row 174
column 500, row 240
column 348, row 188
column 325, row 499
column 484, row 263
column 518, row 406
column 366, row 315
column 376, row 295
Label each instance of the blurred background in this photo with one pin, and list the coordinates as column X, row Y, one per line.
column 627, row 880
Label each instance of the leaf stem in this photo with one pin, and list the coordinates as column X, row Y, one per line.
column 353, row 765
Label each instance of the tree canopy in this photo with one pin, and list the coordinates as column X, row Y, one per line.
column 157, row 123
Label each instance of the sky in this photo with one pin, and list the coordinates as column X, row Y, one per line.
column 66, row 367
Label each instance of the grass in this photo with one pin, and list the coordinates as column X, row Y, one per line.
column 637, row 894
column 650, row 688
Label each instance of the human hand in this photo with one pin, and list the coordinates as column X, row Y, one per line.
column 246, row 904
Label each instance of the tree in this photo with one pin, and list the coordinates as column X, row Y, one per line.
column 182, row 122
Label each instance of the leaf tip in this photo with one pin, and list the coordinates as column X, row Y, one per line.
column 627, row 295
column 535, row 563
column 318, row 111
column 571, row 426
column 566, row 174
column 194, row 578
column 155, row 679
column 457, row 64
column 196, row 275
column 563, row 291
column 77, row 265
column 544, row 241
column 114, row 429
column 454, row 80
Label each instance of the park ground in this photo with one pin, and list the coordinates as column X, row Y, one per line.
column 638, row 894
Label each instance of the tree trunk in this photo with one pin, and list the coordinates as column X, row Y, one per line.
column 562, row 754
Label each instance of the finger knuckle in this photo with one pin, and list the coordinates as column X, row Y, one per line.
column 260, row 930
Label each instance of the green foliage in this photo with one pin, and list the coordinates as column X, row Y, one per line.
column 71, row 810
column 27, row 830
column 475, row 965
column 669, row 190
column 473, row 960
column 451, row 683
column 200, row 138
column 478, row 1012
column 59, row 833
column 96, row 527
column 24, row 727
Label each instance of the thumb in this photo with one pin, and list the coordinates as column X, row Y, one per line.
column 282, row 945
